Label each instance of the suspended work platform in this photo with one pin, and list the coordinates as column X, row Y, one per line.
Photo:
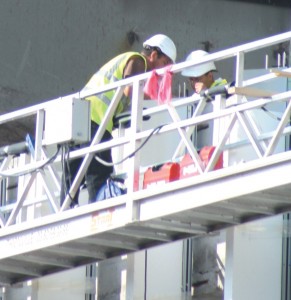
column 247, row 126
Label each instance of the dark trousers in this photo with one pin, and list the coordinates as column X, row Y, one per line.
column 96, row 174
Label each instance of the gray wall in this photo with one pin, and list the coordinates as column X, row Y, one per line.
column 50, row 48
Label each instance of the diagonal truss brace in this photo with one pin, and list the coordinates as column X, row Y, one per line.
column 186, row 139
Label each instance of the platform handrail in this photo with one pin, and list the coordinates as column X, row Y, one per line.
column 36, row 168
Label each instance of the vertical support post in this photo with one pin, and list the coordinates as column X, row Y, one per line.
column 229, row 264
column 134, row 163
column 286, row 258
column 39, row 134
column 218, row 123
column 187, row 268
column 240, row 62
column 37, row 189
column 42, row 178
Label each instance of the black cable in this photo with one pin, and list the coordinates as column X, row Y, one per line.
column 145, row 274
column 105, row 163
column 66, row 170
column 271, row 114
column 49, row 161
column 67, row 163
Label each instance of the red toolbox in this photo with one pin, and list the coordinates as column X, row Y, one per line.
column 188, row 167
column 161, row 174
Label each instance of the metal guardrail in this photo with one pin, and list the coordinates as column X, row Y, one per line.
column 40, row 167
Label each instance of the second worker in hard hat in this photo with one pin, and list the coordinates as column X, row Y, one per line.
column 158, row 51
column 202, row 79
column 201, row 76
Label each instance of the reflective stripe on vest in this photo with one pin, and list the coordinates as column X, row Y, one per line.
column 218, row 82
column 109, row 73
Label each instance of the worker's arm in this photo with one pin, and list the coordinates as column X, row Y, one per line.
column 134, row 66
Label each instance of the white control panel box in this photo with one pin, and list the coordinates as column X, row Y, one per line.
column 67, row 120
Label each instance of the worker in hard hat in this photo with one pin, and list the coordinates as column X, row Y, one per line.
column 202, row 79
column 158, row 51
column 201, row 76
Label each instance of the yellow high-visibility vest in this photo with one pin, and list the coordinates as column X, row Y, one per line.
column 109, row 73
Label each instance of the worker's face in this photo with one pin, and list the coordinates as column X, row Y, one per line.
column 164, row 61
column 202, row 82
column 160, row 60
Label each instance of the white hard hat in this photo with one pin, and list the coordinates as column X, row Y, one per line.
column 166, row 45
column 199, row 70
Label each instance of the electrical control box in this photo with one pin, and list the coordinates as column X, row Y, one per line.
column 67, row 120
